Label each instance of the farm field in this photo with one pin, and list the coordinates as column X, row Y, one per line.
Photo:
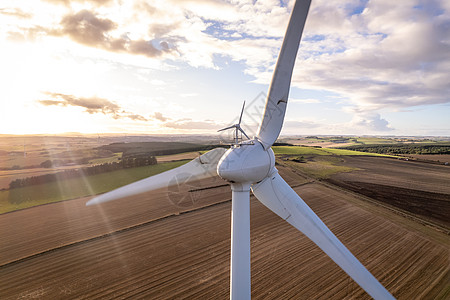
column 419, row 188
column 344, row 141
column 436, row 157
column 300, row 150
column 334, row 141
column 175, row 244
column 317, row 143
column 180, row 156
column 32, row 150
column 22, row 156
column 33, row 195
column 7, row 176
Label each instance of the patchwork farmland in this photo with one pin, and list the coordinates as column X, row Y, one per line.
column 175, row 244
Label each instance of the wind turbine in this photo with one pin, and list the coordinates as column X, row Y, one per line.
column 237, row 127
column 250, row 165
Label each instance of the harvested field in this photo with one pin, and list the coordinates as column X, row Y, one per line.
column 433, row 207
column 149, row 249
column 42, row 228
column 181, row 156
column 323, row 144
column 405, row 174
column 436, row 157
column 419, row 188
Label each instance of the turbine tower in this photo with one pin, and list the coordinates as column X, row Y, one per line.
column 250, row 165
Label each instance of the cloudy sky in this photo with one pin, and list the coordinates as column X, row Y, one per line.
column 186, row 66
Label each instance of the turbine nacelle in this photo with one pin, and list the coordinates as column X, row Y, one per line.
column 246, row 162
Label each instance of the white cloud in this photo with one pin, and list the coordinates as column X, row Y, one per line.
column 305, row 127
column 391, row 56
column 157, row 82
column 189, row 124
column 361, row 123
column 304, row 101
column 188, row 95
column 159, row 116
column 377, row 55
column 370, row 123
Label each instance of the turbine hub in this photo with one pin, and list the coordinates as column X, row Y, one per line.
column 246, row 162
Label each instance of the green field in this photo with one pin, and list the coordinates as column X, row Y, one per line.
column 320, row 167
column 20, row 198
column 299, row 150
column 99, row 161
column 317, row 162
column 375, row 140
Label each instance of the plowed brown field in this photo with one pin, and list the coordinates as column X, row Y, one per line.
column 156, row 246
column 418, row 188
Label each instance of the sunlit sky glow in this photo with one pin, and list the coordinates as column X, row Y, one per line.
column 186, row 66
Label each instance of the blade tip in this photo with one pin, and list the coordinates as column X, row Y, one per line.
column 92, row 202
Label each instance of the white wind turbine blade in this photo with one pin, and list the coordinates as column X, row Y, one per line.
column 202, row 167
column 280, row 198
column 242, row 112
column 242, row 131
column 276, row 102
column 226, row 128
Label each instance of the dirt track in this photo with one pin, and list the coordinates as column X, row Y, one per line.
column 187, row 255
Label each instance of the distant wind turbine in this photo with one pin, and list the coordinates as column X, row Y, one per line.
column 237, row 128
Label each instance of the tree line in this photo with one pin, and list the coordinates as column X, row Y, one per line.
column 126, row 162
column 402, row 148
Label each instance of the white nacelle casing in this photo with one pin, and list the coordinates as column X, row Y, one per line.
column 246, row 162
